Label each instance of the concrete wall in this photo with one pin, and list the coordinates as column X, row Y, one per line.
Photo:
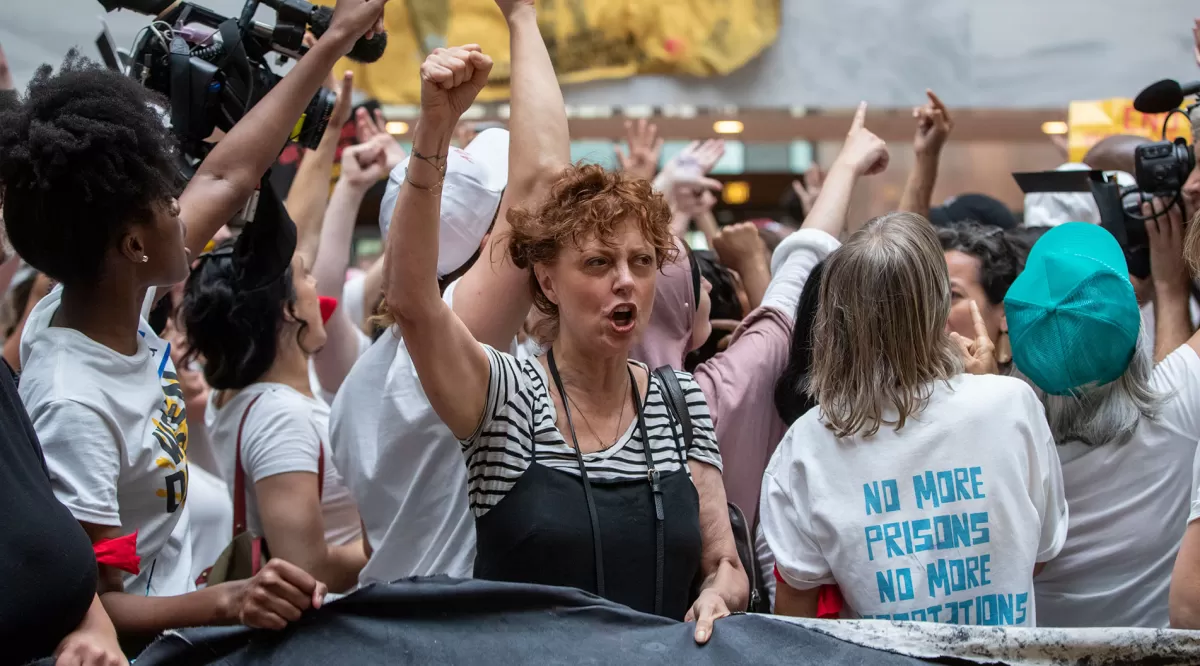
column 831, row 53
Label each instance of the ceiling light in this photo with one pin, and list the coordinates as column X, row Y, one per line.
column 1055, row 127
column 736, row 193
column 728, row 127
column 396, row 127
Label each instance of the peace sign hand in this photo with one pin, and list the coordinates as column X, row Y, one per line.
column 979, row 355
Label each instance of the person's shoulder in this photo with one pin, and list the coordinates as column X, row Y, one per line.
column 992, row 387
column 57, row 369
column 279, row 399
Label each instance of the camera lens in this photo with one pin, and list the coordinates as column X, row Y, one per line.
column 312, row 124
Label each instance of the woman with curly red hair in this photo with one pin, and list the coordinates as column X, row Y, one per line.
column 576, row 475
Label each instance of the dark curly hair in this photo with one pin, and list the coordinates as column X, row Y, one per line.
column 1001, row 255
column 234, row 331
column 83, row 157
column 586, row 202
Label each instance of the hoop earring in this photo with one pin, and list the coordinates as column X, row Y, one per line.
column 1004, row 349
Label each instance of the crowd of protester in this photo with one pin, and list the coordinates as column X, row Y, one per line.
column 539, row 381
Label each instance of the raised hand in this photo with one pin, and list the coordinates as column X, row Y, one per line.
column 365, row 164
column 979, row 354
column 934, row 125
column 367, row 128
column 450, row 81
column 866, row 153
column 6, row 79
column 356, row 18
column 507, row 7
column 645, row 147
column 738, row 245
column 810, row 188
column 341, row 107
column 705, row 153
column 1196, row 39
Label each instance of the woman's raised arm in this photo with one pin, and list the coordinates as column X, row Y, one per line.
column 451, row 364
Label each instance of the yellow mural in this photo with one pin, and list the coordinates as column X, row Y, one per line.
column 587, row 39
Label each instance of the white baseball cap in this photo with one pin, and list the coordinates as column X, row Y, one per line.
column 1050, row 209
column 475, row 179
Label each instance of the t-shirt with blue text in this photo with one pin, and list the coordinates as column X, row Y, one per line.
column 940, row 521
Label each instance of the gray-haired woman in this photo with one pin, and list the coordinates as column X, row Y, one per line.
column 1126, row 428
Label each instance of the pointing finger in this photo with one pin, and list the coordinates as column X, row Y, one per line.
column 982, row 339
column 860, row 117
column 936, row 101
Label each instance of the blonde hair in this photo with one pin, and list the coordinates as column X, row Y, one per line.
column 880, row 327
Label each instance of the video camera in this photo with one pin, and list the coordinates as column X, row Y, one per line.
column 1161, row 169
column 213, row 68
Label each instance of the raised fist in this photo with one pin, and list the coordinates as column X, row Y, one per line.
column 450, row 81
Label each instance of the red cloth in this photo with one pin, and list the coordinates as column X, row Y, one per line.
column 328, row 305
column 829, row 603
column 120, row 553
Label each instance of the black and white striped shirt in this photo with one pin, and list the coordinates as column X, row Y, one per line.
column 520, row 409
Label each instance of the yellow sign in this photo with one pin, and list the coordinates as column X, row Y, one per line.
column 1092, row 121
column 587, row 39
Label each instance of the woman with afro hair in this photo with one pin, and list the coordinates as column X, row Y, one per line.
column 88, row 185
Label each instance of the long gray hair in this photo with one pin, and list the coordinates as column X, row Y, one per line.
column 1099, row 415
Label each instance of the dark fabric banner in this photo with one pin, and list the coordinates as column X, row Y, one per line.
column 444, row 621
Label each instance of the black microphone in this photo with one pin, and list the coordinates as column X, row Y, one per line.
column 1164, row 96
column 365, row 50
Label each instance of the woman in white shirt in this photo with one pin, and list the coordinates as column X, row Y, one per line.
column 271, row 431
column 89, row 173
column 907, row 486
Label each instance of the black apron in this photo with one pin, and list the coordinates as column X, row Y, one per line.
column 608, row 537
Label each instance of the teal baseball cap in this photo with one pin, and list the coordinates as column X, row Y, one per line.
column 1073, row 319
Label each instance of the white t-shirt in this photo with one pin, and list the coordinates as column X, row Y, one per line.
column 114, row 432
column 284, row 432
column 941, row 521
column 1129, row 509
column 210, row 518
column 404, row 467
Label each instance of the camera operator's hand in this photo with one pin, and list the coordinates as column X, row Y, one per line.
column 1165, row 233
column 450, row 81
column 365, row 164
column 933, row 127
column 864, row 152
column 355, row 18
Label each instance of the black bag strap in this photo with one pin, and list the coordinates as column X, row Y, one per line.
column 677, row 405
column 587, row 485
